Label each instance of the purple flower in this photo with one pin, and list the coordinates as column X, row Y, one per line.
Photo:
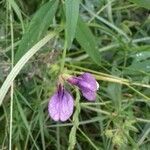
column 87, row 84
column 61, row 105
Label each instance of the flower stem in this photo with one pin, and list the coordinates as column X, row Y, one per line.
column 72, row 135
column 12, row 85
column 63, row 57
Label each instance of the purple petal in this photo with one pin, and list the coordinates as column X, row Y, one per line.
column 87, row 84
column 61, row 105
column 73, row 80
column 89, row 95
column 67, row 105
column 89, row 80
column 54, row 107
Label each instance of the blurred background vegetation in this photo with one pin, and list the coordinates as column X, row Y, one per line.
column 108, row 38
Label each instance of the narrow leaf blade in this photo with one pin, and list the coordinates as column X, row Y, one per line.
column 72, row 12
column 16, row 69
column 37, row 27
column 142, row 3
column 86, row 39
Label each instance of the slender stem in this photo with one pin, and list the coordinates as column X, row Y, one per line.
column 109, row 11
column 109, row 47
column 61, row 70
column 143, row 120
column 106, row 77
column 12, row 85
column 89, row 140
column 121, row 32
column 58, row 137
column 73, row 132
column 98, row 12
column 144, row 96
column 63, row 57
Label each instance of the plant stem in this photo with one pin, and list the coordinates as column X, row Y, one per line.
column 12, row 65
column 63, row 57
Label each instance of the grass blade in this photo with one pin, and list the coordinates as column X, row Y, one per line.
column 86, row 39
column 72, row 135
column 72, row 12
column 17, row 11
column 14, row 72
column 37, row 27
column 142, row 3
column 24, row 119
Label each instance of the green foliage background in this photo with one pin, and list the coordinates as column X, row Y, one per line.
column 41, row 40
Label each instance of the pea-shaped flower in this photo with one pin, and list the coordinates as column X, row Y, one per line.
column 61, row 105
column 87, row 84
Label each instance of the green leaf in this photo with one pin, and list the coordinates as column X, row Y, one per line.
column 37, row 27
column 72, row 12
column 143, row 55
column 24, row 119
column 17, row 11
column 145, row 134
column 72, row 135
column 142, row 3
column 86, row 39
column 143, row 66
column 141, row 63
column 24, row 59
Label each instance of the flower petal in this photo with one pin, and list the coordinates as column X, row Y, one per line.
column 73, row 80
column 67, row 105
column 89, row 95
column 87, row 84
column 89, row 79
column 54, row 107
column 97, row 85
column 61, row 106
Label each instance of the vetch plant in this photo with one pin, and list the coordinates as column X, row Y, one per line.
column 61, row 104
column 50, row 50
